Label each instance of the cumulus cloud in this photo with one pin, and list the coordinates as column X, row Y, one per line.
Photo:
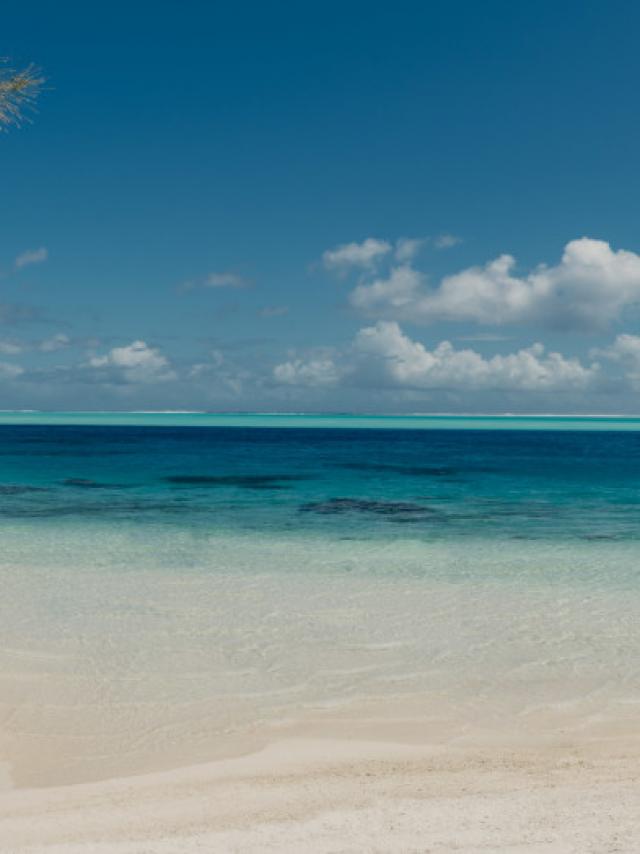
column 134, row 363
column 397, row 291
column 383, row 356
column 625, row 351
column 348, row 255
column 405, row 362
column 308, row 372
column 588, row 289
column 31, row 256
column 367, row 255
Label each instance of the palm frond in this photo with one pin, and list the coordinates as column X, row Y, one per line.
column 18, row 93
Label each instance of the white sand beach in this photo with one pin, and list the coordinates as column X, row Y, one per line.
column 355, row 789
column 338, row 796
column 114, row 739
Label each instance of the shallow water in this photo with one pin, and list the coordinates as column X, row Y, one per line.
column 165, row 588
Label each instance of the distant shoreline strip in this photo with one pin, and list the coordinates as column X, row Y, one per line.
column 509, row 421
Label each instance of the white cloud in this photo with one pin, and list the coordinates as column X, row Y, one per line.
column 348, row 255
column 588, row 289
column 382, row 356
column 625, row 351
column 370, row 252
column 446, row 241
column 399, row 290
column 135, row 363
column 310, row 372
column 47, row 345
column 56, row 342
column 31, row 256
column 225, row 280
column 408, row 247
column 229, row 280
column 405, row 362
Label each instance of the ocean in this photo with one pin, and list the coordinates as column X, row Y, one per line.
column 171, row 582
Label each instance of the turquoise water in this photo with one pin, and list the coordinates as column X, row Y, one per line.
column 333, row 481
column 166, row 589
column 345, row 421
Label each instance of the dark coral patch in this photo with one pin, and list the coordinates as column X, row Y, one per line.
column 334, row 506
column 415, row 471
column 86, row 483
column 246, row 481
column 19, row 488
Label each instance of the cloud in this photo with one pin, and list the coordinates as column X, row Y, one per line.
column 225, row 280
column 408, row 247
column 54, row 343
column 367, row 255
column 588, row 289
column 9, row 371
column 308, row 372
column 229, row 280
column 405, row 362
column 400, row 289
column 10, row 348
column 134, row 363
column 382, row 356
column 222, row 373
column 625, row 351
column 446, row 241
column 348, row 255
column 31, row 256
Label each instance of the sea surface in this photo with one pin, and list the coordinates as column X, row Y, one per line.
column 171, row 581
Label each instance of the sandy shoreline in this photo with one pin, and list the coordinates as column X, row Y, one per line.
column 314, row 794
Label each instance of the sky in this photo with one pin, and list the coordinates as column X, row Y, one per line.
column 364, row 207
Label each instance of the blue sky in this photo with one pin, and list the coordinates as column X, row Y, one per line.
column 336, row 206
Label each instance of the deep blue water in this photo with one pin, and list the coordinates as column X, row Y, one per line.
column 359, row 483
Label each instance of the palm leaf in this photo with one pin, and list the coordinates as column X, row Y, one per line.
column 18, row 93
